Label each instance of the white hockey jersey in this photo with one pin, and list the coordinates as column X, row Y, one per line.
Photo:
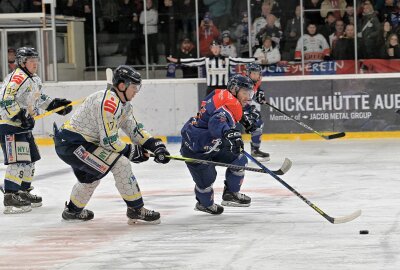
column 100, row 118
column 315, row 48
column 21, row 91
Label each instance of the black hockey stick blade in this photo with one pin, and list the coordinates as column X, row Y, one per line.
column 398, row 111
column 335, row 136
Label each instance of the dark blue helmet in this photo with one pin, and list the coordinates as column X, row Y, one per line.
column 127, row 75
column 24, row 53
column 253, row 67
column 238, row 82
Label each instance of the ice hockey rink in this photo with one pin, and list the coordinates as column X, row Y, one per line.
column 278, row 231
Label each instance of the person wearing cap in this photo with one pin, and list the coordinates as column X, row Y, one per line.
column 11, row 55
column 242, row 35
column 227, row 46
column 268, row 54
column 207, row 33
column 217, row 67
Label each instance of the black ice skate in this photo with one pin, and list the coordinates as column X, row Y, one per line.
column 14, row 204
column 70, row 215
column 36, row 201
column 235, row 199
column 142, row 215
column 258, row 154
column 214, row 209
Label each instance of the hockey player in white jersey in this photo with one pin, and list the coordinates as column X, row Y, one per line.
column 91, row 145
column 21, row 99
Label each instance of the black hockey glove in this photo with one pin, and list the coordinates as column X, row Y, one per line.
column 136, row 153
column 27, row 121
column 260, row 96
column 59, row 102
column 250, row 118
column 232, row 141
column 159, row 150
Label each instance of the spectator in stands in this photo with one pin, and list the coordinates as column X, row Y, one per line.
column 268, row 54
column 368, row 33
column 134, row 55
column 261, row 22
column 337, row 7
column 344, row 48
column 34, row 5
column 167, row 18
column 329, row 27
column 275, row 7
column 339, row 29
column 152, row 30
column 187, row 9
column 395, row 16
column 187, row 50
column 228, row 48
column 242, row 35
column 220, row 11
column 386, row 31
column 12, row 6
column 270, row 30
column 110, row 15
column 207, row 33
column 11, row 55
column 291, row 35
column 125, row 26
column 315, row 46
column 385, row 13
column 392, row 47
column 348, row 16
column 312, row 12
column 70, row 8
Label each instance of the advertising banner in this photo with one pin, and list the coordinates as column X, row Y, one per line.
column 333, row 105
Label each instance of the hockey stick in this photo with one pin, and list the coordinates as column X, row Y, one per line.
column 40, row 116
column 109, row 77
column 329, row 137
column 332, row 220
column 73, row 103
column 284, row 168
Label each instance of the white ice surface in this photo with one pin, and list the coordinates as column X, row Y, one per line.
column 278, row 231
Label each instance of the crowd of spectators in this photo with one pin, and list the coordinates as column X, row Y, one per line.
column 275, row 32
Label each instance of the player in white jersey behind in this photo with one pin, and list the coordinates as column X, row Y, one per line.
column 91, row 145
column 21, row 99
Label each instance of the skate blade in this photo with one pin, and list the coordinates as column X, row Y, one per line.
column 233, row 204
column 17, row 210
column 262, row 159
column 35, row 205
column 143, row 222
column 208, row 212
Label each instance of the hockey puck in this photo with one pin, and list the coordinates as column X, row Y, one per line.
column 398, row 111
column 364, row 232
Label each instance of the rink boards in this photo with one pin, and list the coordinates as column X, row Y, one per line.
column 362, row 106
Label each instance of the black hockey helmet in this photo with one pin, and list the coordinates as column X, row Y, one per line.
column 253, row 67
column 24, row 53
column 238, row 82
column 127, row 75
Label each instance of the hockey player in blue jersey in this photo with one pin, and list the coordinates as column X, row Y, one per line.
column 211, row 135
column 253, row 71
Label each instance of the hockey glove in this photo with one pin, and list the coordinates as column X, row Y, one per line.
column 136, row 153
column 260, row 96
column 232, row 141
column 159, row 150
column 250, row 118
column 27, row 121
column 60, row 102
